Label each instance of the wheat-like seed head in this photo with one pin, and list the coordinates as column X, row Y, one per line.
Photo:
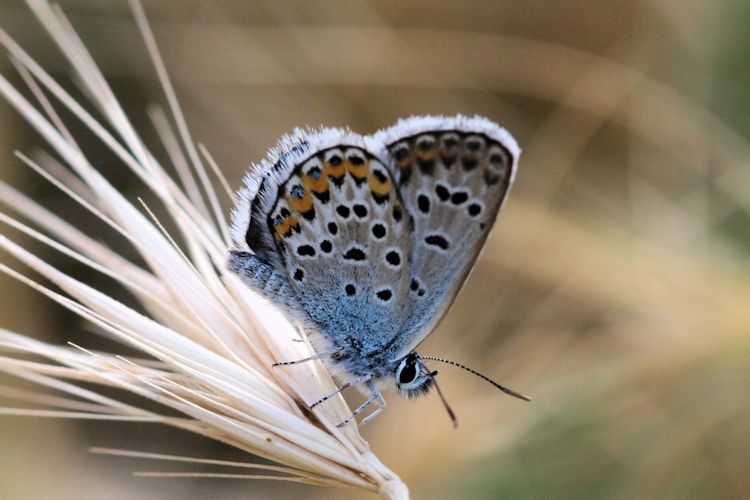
column 214, row 340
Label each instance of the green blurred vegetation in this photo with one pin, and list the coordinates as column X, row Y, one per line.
column 680, row 434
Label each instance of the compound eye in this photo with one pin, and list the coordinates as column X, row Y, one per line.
column 407, row 374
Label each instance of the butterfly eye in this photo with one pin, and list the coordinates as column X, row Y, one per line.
column 412, row 379
column 407, row 372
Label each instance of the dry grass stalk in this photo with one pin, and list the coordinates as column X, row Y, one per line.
column 214, row 340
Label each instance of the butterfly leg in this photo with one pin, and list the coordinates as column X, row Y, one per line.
column 375, row 397
column 305, row 360
column 381, row 405
column 356, row 381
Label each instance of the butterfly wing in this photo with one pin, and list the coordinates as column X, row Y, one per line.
column 367, row 240
column 325, row 216
column 453, row 175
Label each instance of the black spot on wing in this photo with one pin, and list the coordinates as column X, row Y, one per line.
column 305, row 251
column 426, row 166
column 473, row 145
column 425, row 144
column 324, row 196
column 404, row 175
column 378, row 230
column 380, row 176
column 459, row 197
column 442, row 192
column 437, row 240
column 402, row 153
column 469, row 163
column 360, row 211
column 343, row 211
column 380, row 199
column 491, row 179
column 448, row 160
column 415, row 287
column 423, row 203
column 355, row 253
column 393, row 258
column 397, row 214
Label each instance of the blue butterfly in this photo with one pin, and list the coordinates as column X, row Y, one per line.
column 366, row 240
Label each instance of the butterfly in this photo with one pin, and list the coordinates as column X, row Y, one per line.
column 367, row 240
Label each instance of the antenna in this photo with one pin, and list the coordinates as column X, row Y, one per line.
column 445, row 403
column 504, row 389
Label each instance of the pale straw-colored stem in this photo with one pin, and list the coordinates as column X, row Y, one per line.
column 214, row 340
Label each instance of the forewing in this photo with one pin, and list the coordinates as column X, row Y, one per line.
column 342, row 234
column 453, row 175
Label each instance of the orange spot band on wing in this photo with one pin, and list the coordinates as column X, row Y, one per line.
column 378, row 187
column 335, row 171
column 358, row 171
column 303, row 204
column 319, row 185
column 426, row 155
column 284, row 228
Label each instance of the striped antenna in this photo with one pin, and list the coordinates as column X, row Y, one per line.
column 504, row 389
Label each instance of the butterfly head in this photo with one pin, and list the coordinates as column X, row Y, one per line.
column 412, row 377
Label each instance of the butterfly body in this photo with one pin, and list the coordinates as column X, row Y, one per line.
column 366, row 240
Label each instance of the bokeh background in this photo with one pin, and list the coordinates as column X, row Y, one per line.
column 614, row 290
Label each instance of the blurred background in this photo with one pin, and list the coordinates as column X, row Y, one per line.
column 615, row 287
